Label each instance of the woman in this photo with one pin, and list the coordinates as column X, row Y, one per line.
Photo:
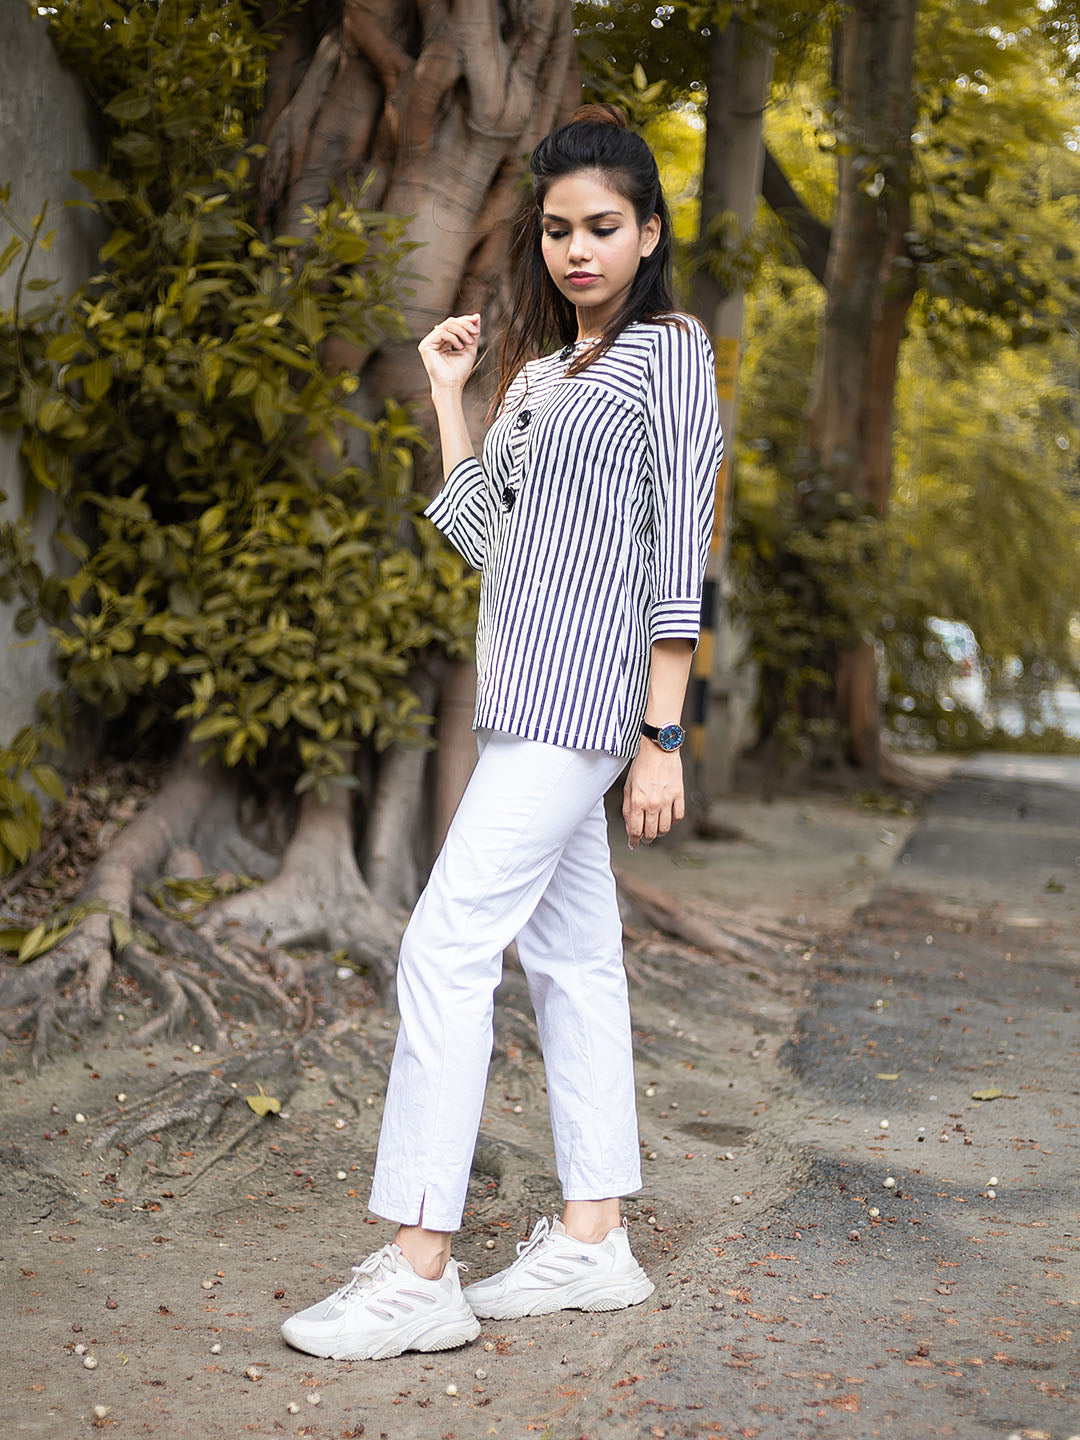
column 590, row 519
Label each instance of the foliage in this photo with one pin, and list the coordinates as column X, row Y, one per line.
column 22, row 760
column 983, row 524
column 249, row 554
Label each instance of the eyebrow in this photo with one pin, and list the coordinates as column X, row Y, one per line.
column 598, row 216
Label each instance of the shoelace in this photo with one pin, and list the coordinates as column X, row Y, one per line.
column 364, row 1273
column 541, row 1232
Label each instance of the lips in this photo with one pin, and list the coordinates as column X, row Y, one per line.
column 582, row 275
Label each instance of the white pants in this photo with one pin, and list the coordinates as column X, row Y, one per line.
column 526, row 857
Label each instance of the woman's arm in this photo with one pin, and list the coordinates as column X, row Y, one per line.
column 653, row 794
column 684, row 444
column 449, row 354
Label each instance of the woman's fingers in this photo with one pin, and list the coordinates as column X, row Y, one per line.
column 633, row 818
column 649, row 817
column 454, row 333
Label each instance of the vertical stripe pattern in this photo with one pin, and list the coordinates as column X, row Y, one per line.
column 589, row 516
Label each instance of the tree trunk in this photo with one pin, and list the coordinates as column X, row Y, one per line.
column 738, row 75
column 440, row 102
column 868, row 296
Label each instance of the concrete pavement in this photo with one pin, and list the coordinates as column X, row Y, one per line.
column 922, row 1276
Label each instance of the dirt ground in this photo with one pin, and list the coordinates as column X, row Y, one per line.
column 172, row 1267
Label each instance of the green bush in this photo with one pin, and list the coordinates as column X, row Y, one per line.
column 249, row 556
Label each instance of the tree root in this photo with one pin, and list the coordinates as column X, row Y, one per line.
column 319, row 896
column 706, row 924
column 63, row 993
column 226, row 1148
column 197, row 1097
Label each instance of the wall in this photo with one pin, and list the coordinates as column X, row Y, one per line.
column 45, row 133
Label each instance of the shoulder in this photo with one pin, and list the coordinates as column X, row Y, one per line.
column 680, row 345
column 677, row 328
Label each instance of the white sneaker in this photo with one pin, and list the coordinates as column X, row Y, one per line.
column 384, row 1309
column 553, row 1271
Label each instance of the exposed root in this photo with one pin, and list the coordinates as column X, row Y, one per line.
column 706, row 924
column 86, row 956
column 225, row 1148
column 217, row 958
column 198, row 1097
column 319, row 897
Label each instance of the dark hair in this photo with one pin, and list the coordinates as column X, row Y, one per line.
column 595, row 137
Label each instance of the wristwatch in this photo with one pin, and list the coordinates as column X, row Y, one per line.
column 668, row 737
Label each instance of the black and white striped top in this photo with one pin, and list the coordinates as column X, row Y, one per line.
column 589, row 516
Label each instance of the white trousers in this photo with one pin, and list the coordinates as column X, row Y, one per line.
column 526, row 857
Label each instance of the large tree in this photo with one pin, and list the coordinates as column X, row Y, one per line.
column 251, row 338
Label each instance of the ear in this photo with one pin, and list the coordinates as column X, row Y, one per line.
column 650, row 235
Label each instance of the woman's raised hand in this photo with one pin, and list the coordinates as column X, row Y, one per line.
column 449, row 350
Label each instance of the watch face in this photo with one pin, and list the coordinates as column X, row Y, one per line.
column 670, row 737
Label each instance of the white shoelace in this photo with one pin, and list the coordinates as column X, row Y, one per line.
column 383, row 1261
column 541, row 1233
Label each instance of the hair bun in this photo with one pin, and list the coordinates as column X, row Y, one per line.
column 600, row 113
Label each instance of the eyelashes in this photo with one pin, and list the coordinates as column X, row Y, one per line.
column 558, row 234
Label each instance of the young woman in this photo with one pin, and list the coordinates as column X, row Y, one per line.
column 589, row 517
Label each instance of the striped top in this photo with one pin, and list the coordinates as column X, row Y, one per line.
column 589, row 516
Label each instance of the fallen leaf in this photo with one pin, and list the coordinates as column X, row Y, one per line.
column 262, row 1103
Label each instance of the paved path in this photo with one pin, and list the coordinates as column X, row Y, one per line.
column 944, row 1303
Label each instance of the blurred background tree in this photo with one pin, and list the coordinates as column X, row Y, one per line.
column 837, row 562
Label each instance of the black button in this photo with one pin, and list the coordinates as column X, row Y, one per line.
column 566, row 351
column 509, row 495
column 523, row 419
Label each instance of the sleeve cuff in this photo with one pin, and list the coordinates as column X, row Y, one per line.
column 675, row 620
column 458, row 510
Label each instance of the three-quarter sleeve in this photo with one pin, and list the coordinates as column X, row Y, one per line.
column 685, row 445
column 459, row 508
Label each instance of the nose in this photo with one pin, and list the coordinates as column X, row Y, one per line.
column 580, row 252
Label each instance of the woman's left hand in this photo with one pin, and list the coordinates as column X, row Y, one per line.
column 653, row 793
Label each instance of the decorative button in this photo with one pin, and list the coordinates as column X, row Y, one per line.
column 566, row 351
column 509, row 495
column 523, row 419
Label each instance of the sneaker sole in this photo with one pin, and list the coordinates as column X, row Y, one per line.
column 447, row 1336
column 576, row 1297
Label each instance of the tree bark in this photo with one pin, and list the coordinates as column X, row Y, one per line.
column 739, row 71
column 319, row 896
column 868, row 296
column 438, row 102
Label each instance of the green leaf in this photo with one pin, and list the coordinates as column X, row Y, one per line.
column 122, row 932
column 101, row 184
column 11, row 250
column 129, row 105
column 244, row 382
column 117, row 241
column 211, row 520
column 266, row 411
column 63, row 348
column 51, row 414
column 96, row 378
column 49, row 781
column 31, row 940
